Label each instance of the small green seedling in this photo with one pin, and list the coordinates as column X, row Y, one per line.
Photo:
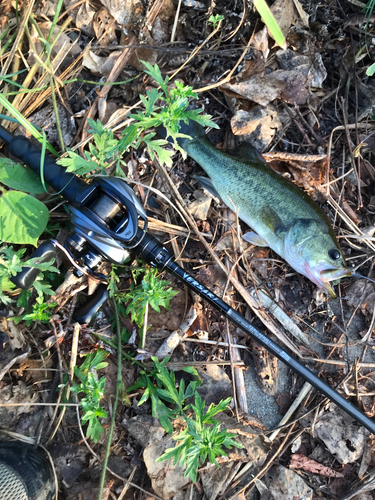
column 215, row 20
column 153, row 291
column 93, row 389
column 41, row 311
column 165, row 391
column 201, row 440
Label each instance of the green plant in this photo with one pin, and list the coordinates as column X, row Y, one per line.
column 165, row 391
column 23, row 218
column 99, row 155
column 11, row 264
column 271, row 23
column 201, row 439
column 41, row 311
column 167, row 108
column 152, row 291
column 215, row 20
column 93, row 389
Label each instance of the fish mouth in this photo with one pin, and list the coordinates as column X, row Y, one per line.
column 322, row 277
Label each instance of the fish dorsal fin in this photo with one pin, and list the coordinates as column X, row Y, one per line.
column 206, row 183
column 270, row 218
column 246, row 152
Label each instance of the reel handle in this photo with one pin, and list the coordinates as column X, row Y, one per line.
column 25, row 278
column 85, row 313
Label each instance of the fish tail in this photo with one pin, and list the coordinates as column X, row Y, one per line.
column 191, row 129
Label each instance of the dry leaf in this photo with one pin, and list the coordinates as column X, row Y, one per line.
column 260, row 42
column 302, row 14
column 82, row 16
column 105, row 26
column 200, row 206
column 284, row 13
column 259, row 89
column 124, row 11
column 258, row 126
column 305, row 463
column 307, row 175
column 99, row 65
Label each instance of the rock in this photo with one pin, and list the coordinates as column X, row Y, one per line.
column 285, row 484
column 216, row 384
column 167, row 479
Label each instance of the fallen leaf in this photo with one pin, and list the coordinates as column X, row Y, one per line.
column 101, row 66
column 199, row 207
column 258, row 88
column 258, row 126
column 104, row 25
column 284, row 12
column 306, row 174
column 286, row 484
column 124, row 11
column 260, row 42
column 341, row 434
column 302, row 14
column 305, row 463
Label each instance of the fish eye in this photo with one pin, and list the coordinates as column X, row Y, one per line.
column 334, row 254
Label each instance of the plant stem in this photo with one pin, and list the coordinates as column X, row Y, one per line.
column 118, row 387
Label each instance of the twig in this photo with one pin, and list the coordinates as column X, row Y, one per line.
column 302, row 394
column 175, row 21
column 20, row 33
column 73, row 360
column 118, row 388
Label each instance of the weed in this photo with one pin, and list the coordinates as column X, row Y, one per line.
column 93, row 388
column 165, row 390
column 100, row 155
column 152, row 291
column 215, row 20
column 41, row 311
column 201, row 439
column 167, row 108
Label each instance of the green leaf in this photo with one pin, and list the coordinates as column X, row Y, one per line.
column 370, row 71
column 22, row 218
column 18, row 177
column 77, row 164
column 270, row 22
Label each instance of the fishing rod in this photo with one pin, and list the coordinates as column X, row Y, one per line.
column 106, row 216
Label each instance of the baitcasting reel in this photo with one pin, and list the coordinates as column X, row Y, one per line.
column 105, row 215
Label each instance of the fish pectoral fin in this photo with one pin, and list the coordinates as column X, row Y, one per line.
column 255, row 239
column 206, row 183
column 270, row 218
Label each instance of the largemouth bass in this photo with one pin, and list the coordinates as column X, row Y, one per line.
column 282, row 216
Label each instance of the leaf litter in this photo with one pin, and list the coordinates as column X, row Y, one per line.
column 258, row 104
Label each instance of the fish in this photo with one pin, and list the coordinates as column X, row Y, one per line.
column 281, row 215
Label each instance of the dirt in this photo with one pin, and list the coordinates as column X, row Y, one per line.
column 309, row 109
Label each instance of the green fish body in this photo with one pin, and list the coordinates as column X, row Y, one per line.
column 283, row 217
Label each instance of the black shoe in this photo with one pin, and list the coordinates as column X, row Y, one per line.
column 25, row 472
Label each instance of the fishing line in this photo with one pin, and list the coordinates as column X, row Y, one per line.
column 356, row 275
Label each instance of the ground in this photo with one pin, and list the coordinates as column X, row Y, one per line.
column 308, row 109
